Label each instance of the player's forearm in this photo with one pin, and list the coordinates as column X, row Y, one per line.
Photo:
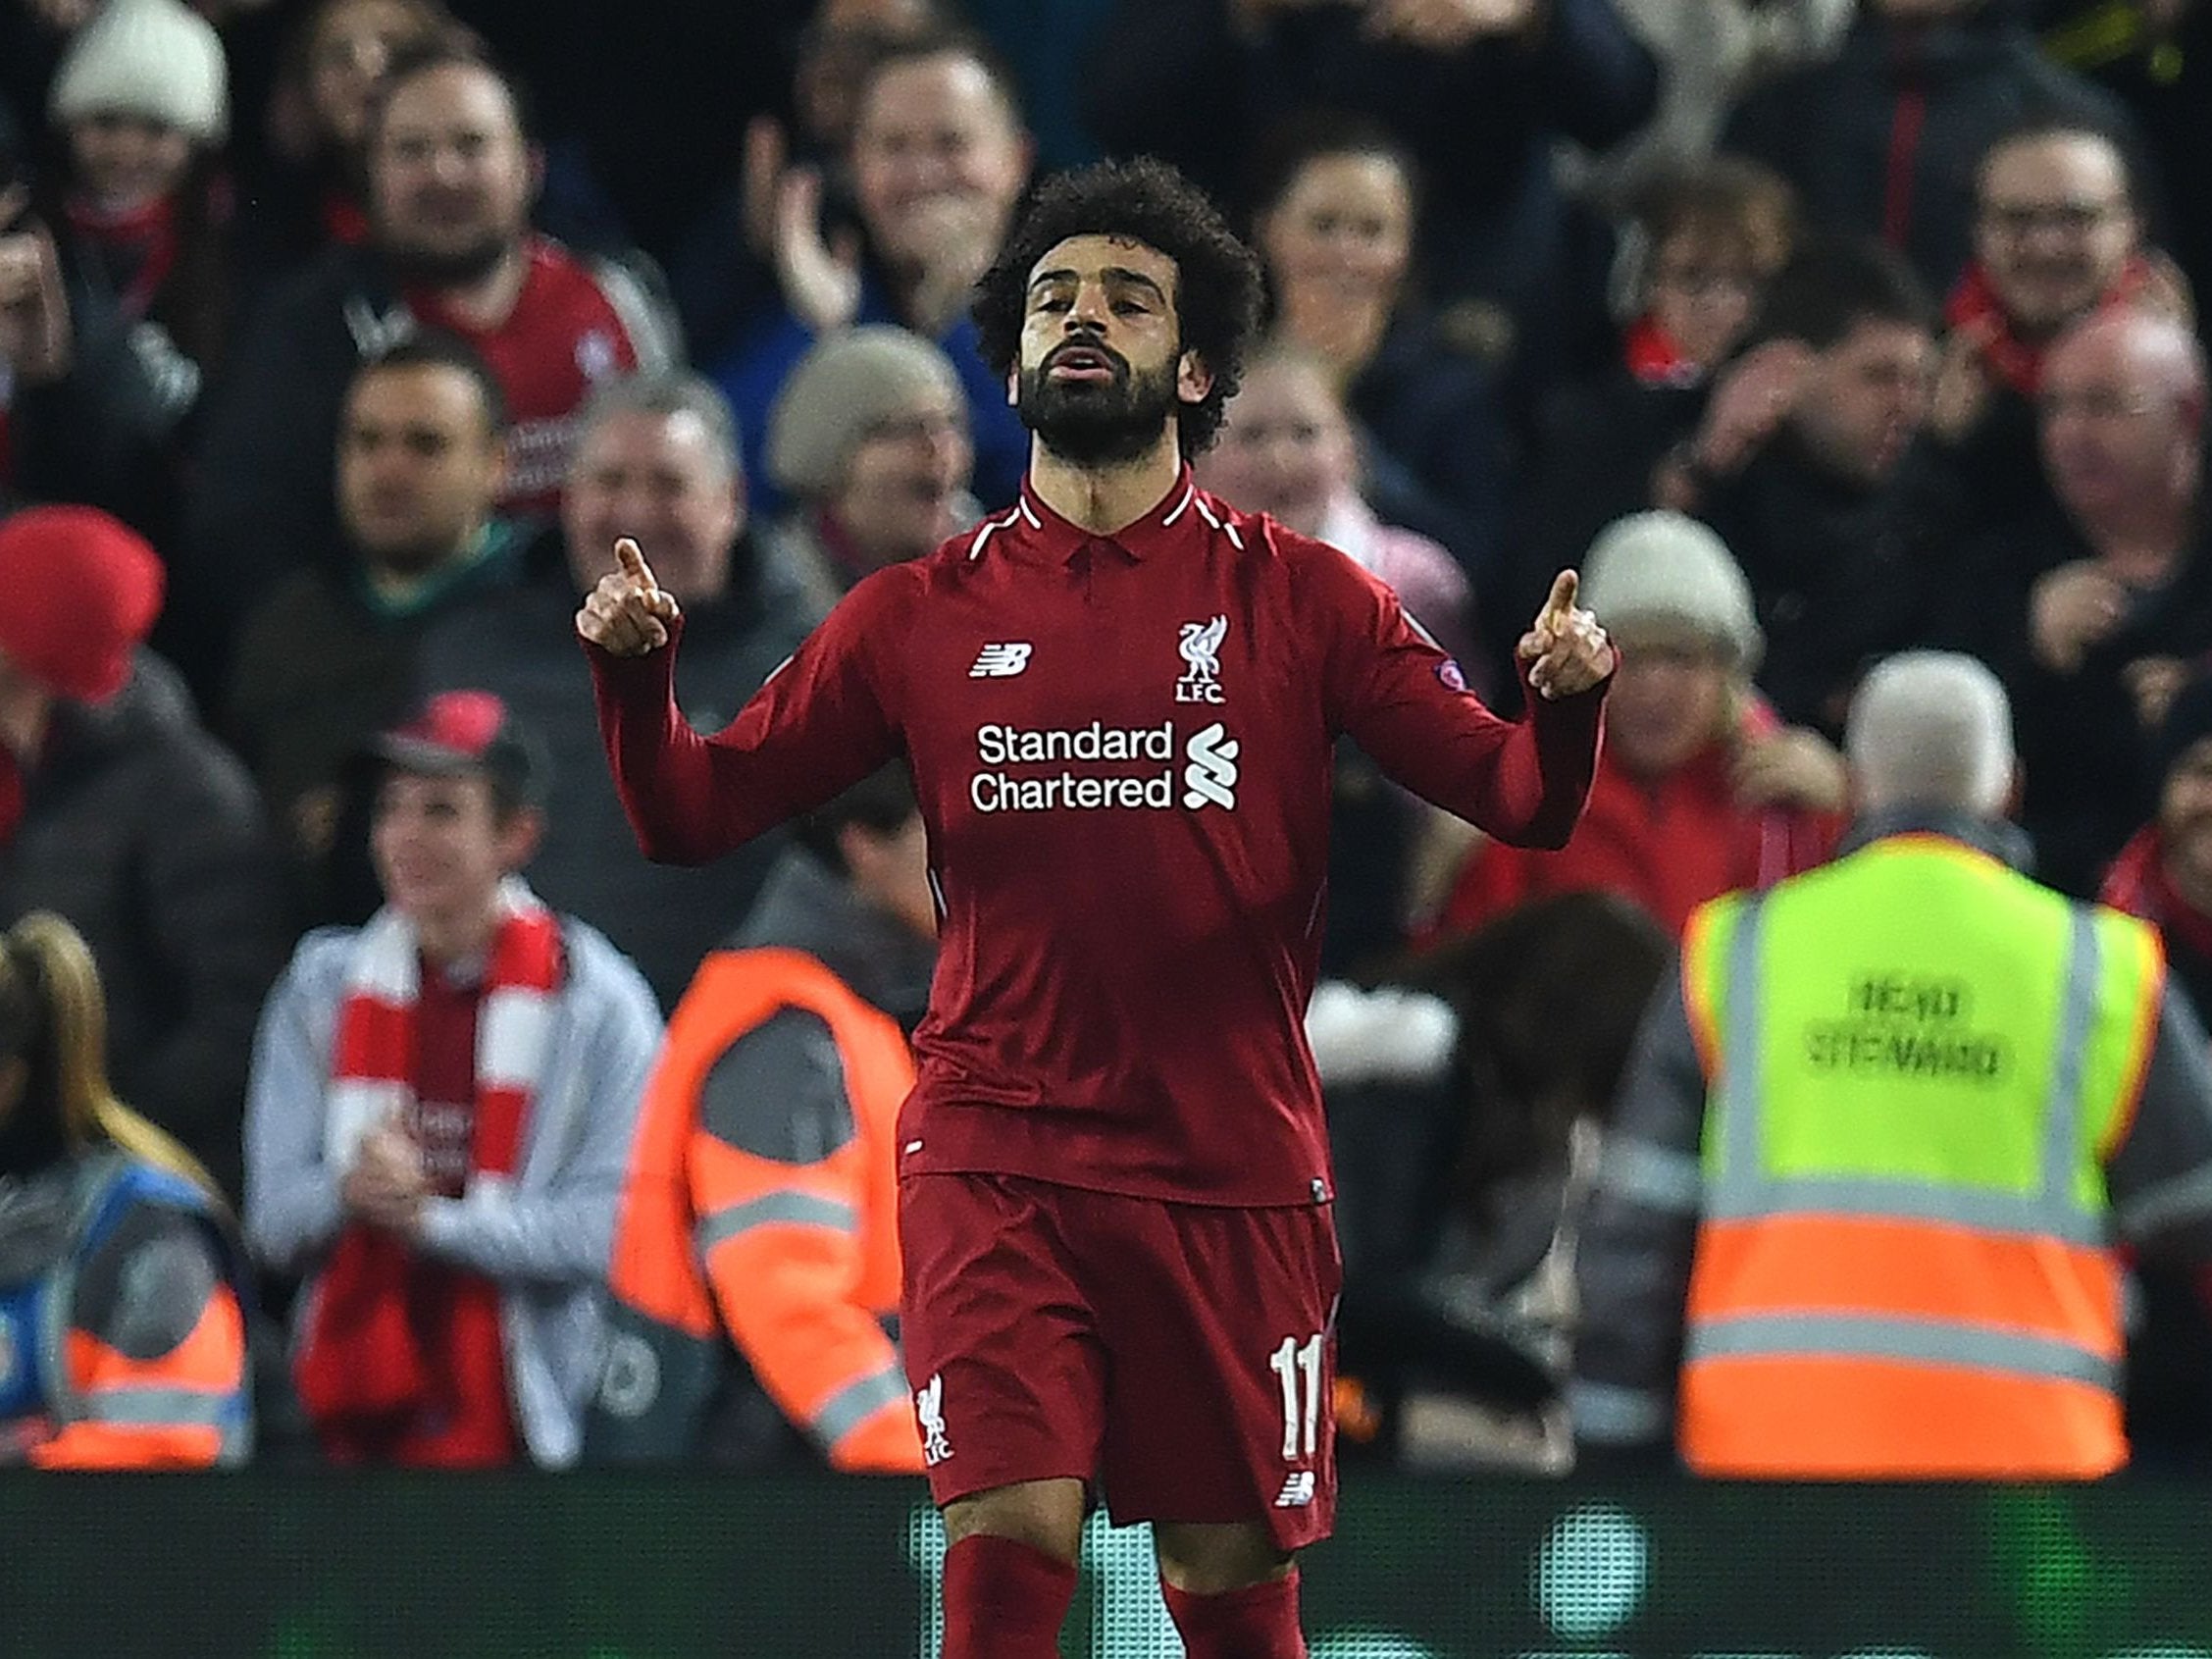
column 662, row 768
column 1528, row 784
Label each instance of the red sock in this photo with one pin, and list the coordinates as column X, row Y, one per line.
column 1258, row 1622
column 1003, row 1599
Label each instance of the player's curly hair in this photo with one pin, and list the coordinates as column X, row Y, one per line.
column 1218, row 288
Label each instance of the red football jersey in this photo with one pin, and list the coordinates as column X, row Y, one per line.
column 1121, row 747
column 576, row 324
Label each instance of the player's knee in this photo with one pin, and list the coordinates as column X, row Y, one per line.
column 1212, row 1560
column 1046, row 1515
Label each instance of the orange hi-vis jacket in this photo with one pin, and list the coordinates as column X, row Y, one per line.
column 798, row 1264
column 1919, row 1064
column 122, row 1323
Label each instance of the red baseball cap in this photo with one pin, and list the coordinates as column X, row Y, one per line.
column 79, row 594
column 466, row 733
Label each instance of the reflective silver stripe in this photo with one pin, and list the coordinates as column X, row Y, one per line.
column 159, row 1408
column 2184, row 1198
column 791, row 1208
column 856, row 1402
column 1742, row 1086
column 1607, row 1413
column 1660, row 1177
column 1892, row 1199
column 1914, row 1341
column 2077, row 1015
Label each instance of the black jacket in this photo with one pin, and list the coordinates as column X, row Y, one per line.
column 147, row 835
column 521, row 645
column 1896, row 122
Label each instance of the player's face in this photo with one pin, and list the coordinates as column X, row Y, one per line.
column 1102, row 368
column 449, row 176
column 418, row 465
column 907, row 479
column 660, row 478
column 1285, row 447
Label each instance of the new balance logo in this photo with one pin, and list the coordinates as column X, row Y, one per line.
column 1297, row 1492
column 1002, row 662
column 928, row 1412
column 1210, row 778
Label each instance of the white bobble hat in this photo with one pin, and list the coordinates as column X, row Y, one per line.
column 1666, row 567
column 156, row 58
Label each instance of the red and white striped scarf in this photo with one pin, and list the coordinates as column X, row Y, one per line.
column 365, row 1371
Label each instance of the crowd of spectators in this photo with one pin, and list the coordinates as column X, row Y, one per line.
column 341, row 340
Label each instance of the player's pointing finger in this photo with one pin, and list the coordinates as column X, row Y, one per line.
column 631, row 558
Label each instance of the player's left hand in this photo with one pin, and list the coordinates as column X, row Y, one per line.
column 1567, row 651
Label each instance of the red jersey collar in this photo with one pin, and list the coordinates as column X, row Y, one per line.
column 1167, row 524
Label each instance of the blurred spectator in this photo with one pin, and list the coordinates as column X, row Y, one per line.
column 939, row 158
column 1704, row 241
column 313, row 192
column 1477, row 94
column 328, row 659
column 142, row 218
column 1464, row 1135
column 1879, row 1137
column 1699, row 789
column 657, row 460
column 122, row 1307
column 2057, row 233
column 726, row 275
column 451, row 174
column 120, row 813
column 869, row 443
column 1287, row 448
column 2156, row 57
column 2120, row 614
column 1335, row 228
column 82, row 418
column 1883, row 139
column 1710, row 53
column 1806, row 462
column 756, row 1257
column 441, row 1106
column 2164, row 875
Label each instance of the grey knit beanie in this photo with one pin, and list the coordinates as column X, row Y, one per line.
column 1664, row 567
column 151, row 58
column 844, row 386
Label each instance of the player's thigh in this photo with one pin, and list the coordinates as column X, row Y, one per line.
column 1046, row 1515
column 1218, row 1324
column 1002, row 1352
column 1211, row 1558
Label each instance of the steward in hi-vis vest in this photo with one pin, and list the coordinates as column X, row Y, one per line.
column 755, row 1272
column 1883, row 1132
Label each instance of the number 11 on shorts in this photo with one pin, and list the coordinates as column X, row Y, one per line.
column 1298, row 1368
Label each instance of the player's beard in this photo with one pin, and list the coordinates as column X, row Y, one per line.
column 1098, row 424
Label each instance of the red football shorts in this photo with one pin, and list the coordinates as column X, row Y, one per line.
column 1180, row 1357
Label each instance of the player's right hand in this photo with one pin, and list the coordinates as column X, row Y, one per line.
column 627, row 614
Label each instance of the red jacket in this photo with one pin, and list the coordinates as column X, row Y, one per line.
column 1669, row 846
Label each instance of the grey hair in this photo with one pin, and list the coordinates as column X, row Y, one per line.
column 666, row 392
column 1932, row 729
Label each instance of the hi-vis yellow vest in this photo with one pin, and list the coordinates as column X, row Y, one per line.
column 1918, row 1063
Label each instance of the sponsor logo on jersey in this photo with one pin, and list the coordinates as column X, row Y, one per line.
column 1002, row 662
column 1209, row 776
column 1201, row 646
